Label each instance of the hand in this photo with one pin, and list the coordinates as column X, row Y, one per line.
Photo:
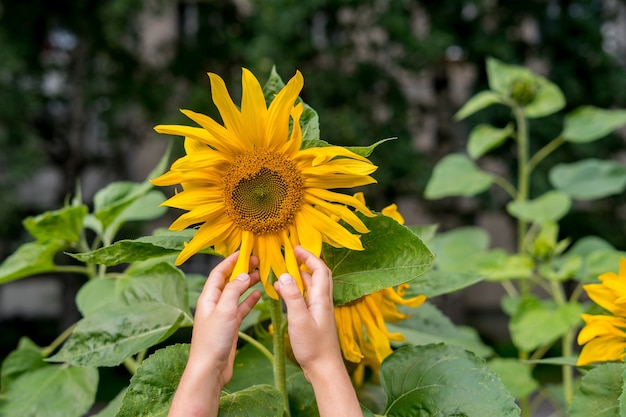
column 313, row 337
column 214, row 339
column 219, row 315
column 311, row 321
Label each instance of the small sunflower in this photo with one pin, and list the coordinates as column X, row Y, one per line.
column 363, row 335
column 247, row 184
column 604, row 336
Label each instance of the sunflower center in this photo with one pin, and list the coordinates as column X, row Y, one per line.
column 263, row 191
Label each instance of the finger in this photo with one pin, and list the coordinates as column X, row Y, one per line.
column 288, row 290
column 319, row 283
column 235, row 289
column 248, row 304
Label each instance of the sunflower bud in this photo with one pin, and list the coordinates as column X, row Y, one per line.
column 524, row 91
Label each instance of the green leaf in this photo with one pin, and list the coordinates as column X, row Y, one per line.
column 426, row 233
column 65, row 224
column 440, row 380
column 589, row 179
column 436, row 282
column 163, row 243
column 392, row 255
column 539, row 322
column 96, row 294
column 110, row 201
column 143, row 208
column 459, row 250
column 111, row 334
column 427, row 325
column 162, row 283
column 256, row 401
column 484, row 138
column 51, row 391
column 30, row 259
column 366, row 151
column 456, row 175
column 27, row 357
column 598, row 392
column 547, row 98
column 515, row 376
column 152, row 387
column 587, row 123
column 551, row 206
column 478, row 102
column 498, row 265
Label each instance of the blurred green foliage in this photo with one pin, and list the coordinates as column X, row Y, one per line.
column 78, row 89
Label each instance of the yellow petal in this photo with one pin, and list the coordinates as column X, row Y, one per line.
column 229, row 112
column 331, row 231
column 309, row 236
column 253, row 110
column 392, row 211
column 206, row 236
column 341, row 198
column 341, row 211
column 602, row 349
column 243, row 261
column 218, row 136
column 280, row 109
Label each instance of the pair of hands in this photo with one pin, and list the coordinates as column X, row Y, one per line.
column 311, row 324
column 312, row 334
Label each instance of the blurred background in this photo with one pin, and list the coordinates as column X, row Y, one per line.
column 82, row 83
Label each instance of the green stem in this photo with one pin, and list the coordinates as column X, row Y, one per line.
column 505, row 185
column 278, row 339
column 58, row 341
column 542, row 153
column 258, row 345
column 131, row 365
column 74, row 269
column 524, row 401
column 568, row 371
column 523, row 171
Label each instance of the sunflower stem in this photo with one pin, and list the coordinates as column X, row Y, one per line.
column 278, row 339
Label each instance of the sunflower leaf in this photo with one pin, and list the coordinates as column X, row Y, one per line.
column 456, row 175
column 65, row 224
column 515, row 375
column 392, row 255
column 366, row 151
column 441, row 380
column 478, row 102
column 30, row 259
column 589, row 179
column 51, row 391
column 599, row 392
column 113, row 333
column 551, row 206
column 588, row 123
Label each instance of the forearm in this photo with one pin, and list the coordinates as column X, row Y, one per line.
column 197, row 395
column 334, row 392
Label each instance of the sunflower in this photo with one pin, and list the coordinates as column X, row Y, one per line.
column 363, row 334
column 247, row 184
column 604, row 336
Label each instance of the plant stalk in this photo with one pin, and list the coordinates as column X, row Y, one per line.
column 278, row 339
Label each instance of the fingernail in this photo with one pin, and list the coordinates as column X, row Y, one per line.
column 243, row 277
column 286, row 279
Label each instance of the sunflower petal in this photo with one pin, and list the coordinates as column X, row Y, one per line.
column 280, row 110
column 254, row 110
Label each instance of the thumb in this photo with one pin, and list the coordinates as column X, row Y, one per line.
column 288, row 290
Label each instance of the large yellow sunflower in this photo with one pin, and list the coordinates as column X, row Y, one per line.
column 363, row 334
column 248, row 185
column 604, row 336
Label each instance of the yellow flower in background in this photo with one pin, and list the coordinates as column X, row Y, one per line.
column 604, row 336
column 248, row 185
column 363, row 334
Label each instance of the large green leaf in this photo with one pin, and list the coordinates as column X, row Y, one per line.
column 143, row 208
column 392, row 255
column 162, row 243
column 478, row 102
column 515, row 375
column 499, row 265
column 588, row 123
column 484, row 138
column 30, row 259
column 440, row 380
column 256, row 401
column 543, row 97
column 51, row 391
column 540, row 322
column 27, row 357
column 590, row 178
column 598, row 256
column 436, row 282
column 551, row 206
column 65, row 224
column 460, row 250
column 427, row 325
column 152, row 387
column 111, row 334
column 598, row 392
column 456, row 175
